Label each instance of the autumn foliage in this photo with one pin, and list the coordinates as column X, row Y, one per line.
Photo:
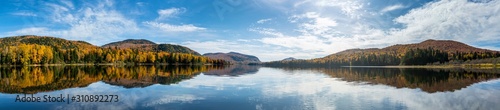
column 25, row 50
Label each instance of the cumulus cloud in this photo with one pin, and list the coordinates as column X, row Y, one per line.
column 96, row 24
column 173, row 28
column 24, row 13
column 140, row 3
column 68, row 4
column 460, row 20
column 170, row 12
column 351, row 8
column 321, row 33
column 392, row 8
column 316, row 25
column 262, row 21
column 31, row 30
column 165, row 14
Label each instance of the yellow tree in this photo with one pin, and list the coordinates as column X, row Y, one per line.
column 151, row 57
column 109, row 58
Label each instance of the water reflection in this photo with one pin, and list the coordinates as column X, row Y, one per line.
column 43, row 79
column 429, row 80
column 234, row 70
column 146, row 87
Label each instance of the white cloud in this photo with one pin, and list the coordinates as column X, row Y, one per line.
column 322, row 33
column 24, row 14
column 351, row 8
column 316, row 25
column 392, row 8
column 184, row 98
column 68, row 4
column 97, row 24
column 324, row 27
column 32, row 30
column 262, row 21
column 140, row 3
column 173, row 28
column 165, row 14
column 320, row 36
column 170, row 12
column 451, row 19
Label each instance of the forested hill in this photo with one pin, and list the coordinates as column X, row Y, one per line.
column 30, row 49
column 448, row 46
column 234, row 57
column 45, row 40
column 146, row 45
column 426, row 52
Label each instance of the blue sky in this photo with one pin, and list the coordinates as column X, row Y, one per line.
column 268, row 29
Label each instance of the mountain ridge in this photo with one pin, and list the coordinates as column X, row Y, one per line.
column 45, row 40
column 146, row 45
column 43, row 50
column 449, row 46
column 422, row 53
column 234, row 57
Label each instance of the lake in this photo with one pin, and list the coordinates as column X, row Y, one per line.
column 243, row 87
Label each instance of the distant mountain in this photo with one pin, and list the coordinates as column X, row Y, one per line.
column 426, row 52
column 45, row 40
column 448, row 46
column 146, row 45
column 130, row 41
column 234, row 57
column 289, row 59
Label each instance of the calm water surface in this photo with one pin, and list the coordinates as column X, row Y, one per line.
column 253, row 87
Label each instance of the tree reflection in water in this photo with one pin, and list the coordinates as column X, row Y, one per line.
column 430, row 80
column 43, row 79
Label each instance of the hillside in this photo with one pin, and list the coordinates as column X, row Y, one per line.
column 146, row 45
column 426, row 52
column 30, row 49
column 234, row 57
column 45, row 40
column 448, row 46
column 289, row 59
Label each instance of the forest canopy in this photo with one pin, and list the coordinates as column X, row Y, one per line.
column 25, row 50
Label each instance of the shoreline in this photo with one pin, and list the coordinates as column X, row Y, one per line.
column 105, row 64
column 431, row 66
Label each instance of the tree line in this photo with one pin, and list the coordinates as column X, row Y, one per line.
column 416, row 56
column 25, row 54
